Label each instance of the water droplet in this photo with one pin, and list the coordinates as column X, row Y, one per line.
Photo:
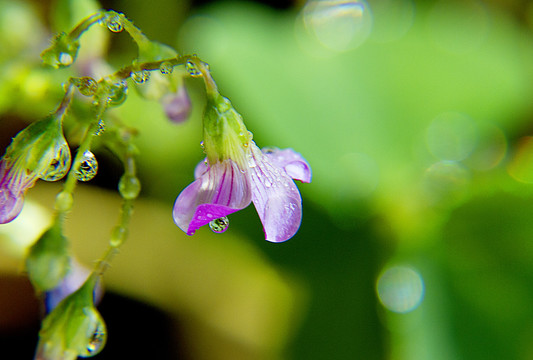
column 97, row 340
column 118, row 235
column 65, row 59
column 63, row 202
column 251, row 162
column 88, row 167
column 87, row 86
column 114, row 23
column 129, row 187
column 193, row 69
column 101, row 128
column 219, row 225
column 166, row 68
column 59, row 165
column 141, row 76
column 202, row 145
column 117, row 93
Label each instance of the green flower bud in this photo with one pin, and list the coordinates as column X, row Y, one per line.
column 74, row 328
column 40, row 151
column 62, row 52
column 48, row 261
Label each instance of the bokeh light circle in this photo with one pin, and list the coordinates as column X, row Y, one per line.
column 338, row 25
column 452, row 136
column 400, row 289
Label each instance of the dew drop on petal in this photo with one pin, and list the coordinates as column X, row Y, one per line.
column 193, row 69
column 166, row 68
column 88, row 167
column 141, row 76
column 219, row 225
column 114, row 23
column 59, row 165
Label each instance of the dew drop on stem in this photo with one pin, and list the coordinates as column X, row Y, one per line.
column 88, row 167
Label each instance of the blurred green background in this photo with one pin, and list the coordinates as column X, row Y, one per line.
column 416, row 118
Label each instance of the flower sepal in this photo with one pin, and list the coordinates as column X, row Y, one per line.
column 225, row 135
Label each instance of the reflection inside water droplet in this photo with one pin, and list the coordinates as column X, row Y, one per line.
column 193, row 69
column 219, row 225
column 141, row 76
column 114, row 23
column 97, row 340
column 117, row 93
column 65, row 59
column 88, row 167
column 101, row 127
column 59, row 166
column 166, row 68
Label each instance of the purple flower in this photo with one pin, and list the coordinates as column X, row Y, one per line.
column 236, row 172
column 226, row 187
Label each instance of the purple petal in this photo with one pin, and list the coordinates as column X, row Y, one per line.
column 276, row 198
column 200, row 169
column 292, row 162
column 10, row 205
column 220, row 191
column 11, row 200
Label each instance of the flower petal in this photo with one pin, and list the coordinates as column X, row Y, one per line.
column 292, row 162
column 220, row 191
column 201, row 169
column 275, row 197
column 11, row 200
column 10, row 205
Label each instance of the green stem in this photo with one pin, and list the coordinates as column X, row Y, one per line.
column 70, row 183
column 85, row 24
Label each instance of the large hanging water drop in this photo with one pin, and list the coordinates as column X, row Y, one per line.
column 97, row 340
column 219, row 225
column 88, row 167
column 59, row 165
column 141, row 76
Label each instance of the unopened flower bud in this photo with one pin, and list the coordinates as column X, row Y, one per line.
column 177, row 105
column 48, row 261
